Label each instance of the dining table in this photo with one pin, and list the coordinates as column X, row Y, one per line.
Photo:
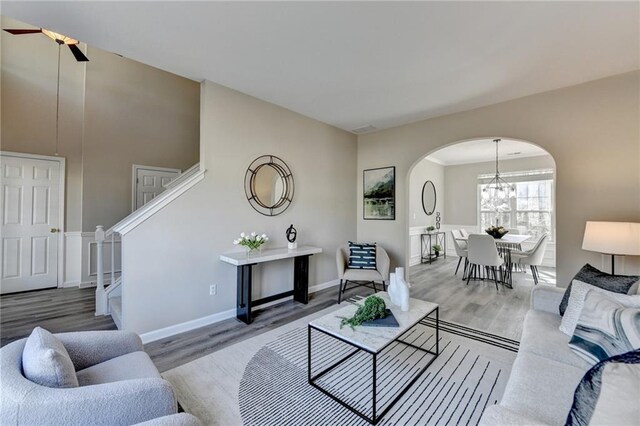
column 505, row 245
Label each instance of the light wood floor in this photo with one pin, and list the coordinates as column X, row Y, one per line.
column 477, row 305
column 58, row 310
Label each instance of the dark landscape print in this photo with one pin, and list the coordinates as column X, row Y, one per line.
column 380, row 193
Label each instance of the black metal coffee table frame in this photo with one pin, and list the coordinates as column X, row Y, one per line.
column 375, row 418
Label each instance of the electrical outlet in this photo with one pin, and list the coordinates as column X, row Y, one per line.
column 213, row 290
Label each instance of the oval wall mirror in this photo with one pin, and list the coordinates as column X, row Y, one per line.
column 268, row 184
column 429, row 197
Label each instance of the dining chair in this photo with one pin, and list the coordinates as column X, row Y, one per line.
column 464, row 233
column 483, row 254
column 533, row 258
column 456, row 234
column 461, row 251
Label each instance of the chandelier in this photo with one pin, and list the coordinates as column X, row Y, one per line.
column 498, row 190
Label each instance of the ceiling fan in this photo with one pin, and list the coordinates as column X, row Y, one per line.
column 58, row 38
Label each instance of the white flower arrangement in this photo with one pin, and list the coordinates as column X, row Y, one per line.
column 252, row 242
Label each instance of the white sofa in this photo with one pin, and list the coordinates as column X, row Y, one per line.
column 545, row 373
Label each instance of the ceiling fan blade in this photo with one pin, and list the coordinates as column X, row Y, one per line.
column 77, row 53
column 23, row 31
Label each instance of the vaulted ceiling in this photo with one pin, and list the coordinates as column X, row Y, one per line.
column 353, row 64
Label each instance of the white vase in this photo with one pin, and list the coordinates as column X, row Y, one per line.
column 401, row 290
column 393, row 289
column 403, row 294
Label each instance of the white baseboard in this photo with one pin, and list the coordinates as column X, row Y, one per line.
column 84, row 284
column 172, row 330
column 322, row 286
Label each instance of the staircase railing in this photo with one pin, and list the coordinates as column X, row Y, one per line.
column 102, row 294
column 173, row 190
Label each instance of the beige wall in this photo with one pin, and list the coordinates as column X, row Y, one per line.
column 114, row 112
column 423, row 171
column 28, row 106
column 202, row 223
column 134, row 114
column 461, row 185
column 591, row 130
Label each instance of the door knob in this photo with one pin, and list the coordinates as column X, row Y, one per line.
column 54, row 230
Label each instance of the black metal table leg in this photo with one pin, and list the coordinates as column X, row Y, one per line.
column 309, row 352
column 376, row 416
column 301, row 279
column 438, row 331
column 243, row 308
column 375, row 378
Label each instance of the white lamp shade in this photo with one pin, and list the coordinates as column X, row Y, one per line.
column 621, row 238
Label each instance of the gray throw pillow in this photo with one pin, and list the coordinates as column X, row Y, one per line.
column 609, row 390
column 45, row 361
column 590, row 275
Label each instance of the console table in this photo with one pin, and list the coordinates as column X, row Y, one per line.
column 244, row 263
column 427, row 241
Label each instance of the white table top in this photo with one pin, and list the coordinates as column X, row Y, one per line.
column 240, row 258
column 373, row 339
column 508, row 238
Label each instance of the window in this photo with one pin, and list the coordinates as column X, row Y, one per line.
column 530, row 211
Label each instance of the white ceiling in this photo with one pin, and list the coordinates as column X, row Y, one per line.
column 481, row 150
column 351, row 64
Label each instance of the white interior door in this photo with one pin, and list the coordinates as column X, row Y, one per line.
column 151, row 181
column 30, row 223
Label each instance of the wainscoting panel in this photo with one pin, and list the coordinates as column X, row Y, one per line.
column 80, row 259
column 414, row 237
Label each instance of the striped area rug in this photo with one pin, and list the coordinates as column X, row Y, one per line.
column 470, row 373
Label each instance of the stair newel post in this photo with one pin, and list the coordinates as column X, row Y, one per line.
column 101, row 296
column 113, row 258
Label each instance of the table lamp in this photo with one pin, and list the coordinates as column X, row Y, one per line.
column 614, row 238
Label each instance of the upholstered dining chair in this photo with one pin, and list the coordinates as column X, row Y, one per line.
column 461, row 251
column 483, row 254
column 532, row 257
column 362, row 277
column 458, row 235
column 464, row 233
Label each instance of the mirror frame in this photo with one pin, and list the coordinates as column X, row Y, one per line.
column 435, row 197
column 287, row 180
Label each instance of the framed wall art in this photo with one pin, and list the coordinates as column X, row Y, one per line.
column 379, row 193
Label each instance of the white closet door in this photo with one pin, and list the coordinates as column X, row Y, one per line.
column 150, row 182
column 30, row 223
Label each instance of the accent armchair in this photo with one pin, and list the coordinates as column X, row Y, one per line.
column 118, row 384
column 361, row 277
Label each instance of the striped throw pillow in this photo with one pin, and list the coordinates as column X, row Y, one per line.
column 605, row 328
column 362, row 256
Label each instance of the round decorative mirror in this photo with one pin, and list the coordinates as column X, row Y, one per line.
column 429, row 197
column 268, row 184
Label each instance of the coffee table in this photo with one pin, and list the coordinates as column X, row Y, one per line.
column 372, row 340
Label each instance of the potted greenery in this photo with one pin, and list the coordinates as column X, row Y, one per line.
column 436, row 249
column 372, row 309
column 431, row 228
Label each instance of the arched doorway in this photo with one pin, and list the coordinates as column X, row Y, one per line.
column 460, row 175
